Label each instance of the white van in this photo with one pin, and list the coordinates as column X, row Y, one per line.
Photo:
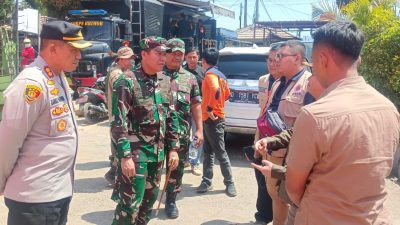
column 242, row 66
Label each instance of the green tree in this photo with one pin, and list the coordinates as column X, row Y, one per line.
column 381, row 53
column 6, row 12
column 54, row 8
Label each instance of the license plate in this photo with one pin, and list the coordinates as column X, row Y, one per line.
column 244, row 97
column 82, row 99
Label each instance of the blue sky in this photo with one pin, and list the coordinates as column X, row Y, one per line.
column 278, row 10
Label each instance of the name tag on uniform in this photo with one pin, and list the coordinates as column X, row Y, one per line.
column 57, row 100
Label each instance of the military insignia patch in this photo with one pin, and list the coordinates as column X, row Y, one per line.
column 55, row 91
column 50, row 82
column 57, row 111
column 48, row 71
column 61, row 125
column 32, row 93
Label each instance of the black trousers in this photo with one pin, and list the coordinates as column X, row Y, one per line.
column 48, row 213
column 214, row 147
column 264, row 201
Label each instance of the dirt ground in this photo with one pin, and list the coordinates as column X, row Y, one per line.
column 91, row 203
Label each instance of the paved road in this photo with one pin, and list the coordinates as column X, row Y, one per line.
column 91, row 203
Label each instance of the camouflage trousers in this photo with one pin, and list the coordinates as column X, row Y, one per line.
column 175, row 180
column 136, row 195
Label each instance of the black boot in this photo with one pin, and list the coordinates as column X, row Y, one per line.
column 170, row 206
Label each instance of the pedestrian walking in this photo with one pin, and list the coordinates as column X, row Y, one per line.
column 144, row 125
column 38, row 132
column 288, row 95
column 215, row 92
column 192, row 59
column 122, row 65
column 187, row 102
column 336, row 170
column 264, row 201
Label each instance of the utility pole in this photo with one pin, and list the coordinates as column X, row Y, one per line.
column 240, row 16
column 245, row 14
column 16, row 35
column 256, row 18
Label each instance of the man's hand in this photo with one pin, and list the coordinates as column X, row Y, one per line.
column 257, row 155
column 211, row 115
column 265, row 168
column 200, row 138
column 173, row 160
column 261, row 147
column 128, row 167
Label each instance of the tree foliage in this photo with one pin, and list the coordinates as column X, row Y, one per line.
column 381, row 53
column 54, row 8
column 6, row 10
column 327, row 11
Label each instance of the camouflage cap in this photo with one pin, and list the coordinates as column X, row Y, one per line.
column 176, row 44
column 152, row 42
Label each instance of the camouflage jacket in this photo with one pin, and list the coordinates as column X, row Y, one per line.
column 144, row 118
column 185, row 92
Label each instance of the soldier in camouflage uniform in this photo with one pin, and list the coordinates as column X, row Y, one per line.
column 144, row 122
column 187, row 101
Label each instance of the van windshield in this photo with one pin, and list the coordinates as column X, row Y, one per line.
column 246, row 67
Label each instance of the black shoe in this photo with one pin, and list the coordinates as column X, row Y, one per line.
column 171, row 210
column 204, row 187
column 170, row 206
column 230, row 190
column 261, row 219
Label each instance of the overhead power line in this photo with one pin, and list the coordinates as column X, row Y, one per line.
column 265, row 8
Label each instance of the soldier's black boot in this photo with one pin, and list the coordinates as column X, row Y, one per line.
column 170, row 206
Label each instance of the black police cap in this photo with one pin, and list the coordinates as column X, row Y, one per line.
column 64, row 31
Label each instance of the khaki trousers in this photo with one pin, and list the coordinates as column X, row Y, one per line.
column 280, row 208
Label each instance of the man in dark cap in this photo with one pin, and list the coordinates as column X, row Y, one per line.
column 144, row 123
column 187, row 102
column 38, row 132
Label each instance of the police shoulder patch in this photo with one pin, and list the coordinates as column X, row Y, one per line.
column 32, row 93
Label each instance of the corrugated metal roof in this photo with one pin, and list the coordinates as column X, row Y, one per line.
column 262, row 33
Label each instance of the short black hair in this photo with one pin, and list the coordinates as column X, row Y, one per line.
column 192, row 49
column 210, row 55
column 296, row 47
column 342, row 36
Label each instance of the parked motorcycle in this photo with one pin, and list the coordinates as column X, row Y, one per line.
column 92, row 102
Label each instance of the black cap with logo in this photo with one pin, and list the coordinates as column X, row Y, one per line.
column 64, row 31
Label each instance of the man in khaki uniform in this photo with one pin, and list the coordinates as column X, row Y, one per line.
column 288, row 95
column 279, row 141
column 38, row 132
column 121, row 66
column 264, row 201
column 337, row 168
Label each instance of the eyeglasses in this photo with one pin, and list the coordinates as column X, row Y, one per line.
column 280, row 56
